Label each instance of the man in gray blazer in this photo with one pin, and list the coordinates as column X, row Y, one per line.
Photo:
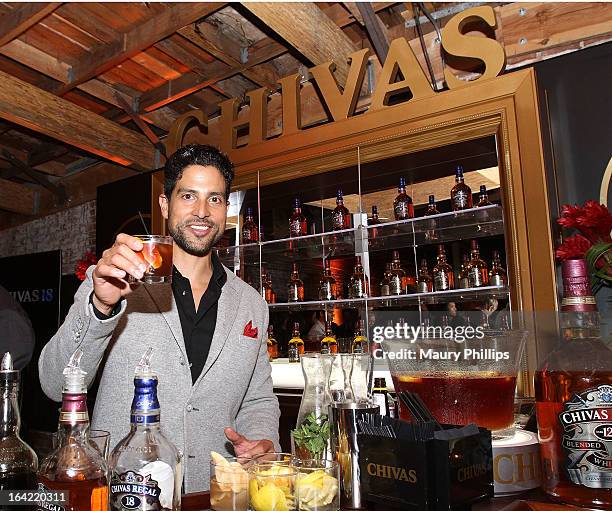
column 207, row 330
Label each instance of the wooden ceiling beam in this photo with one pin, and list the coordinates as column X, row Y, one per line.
column 29, row 106
column 17, row 198
column 213, row 41
column 106, row 56
column 21, row 18
column 376, row 30
column 304, row 26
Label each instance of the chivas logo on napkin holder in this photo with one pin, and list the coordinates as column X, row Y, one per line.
column 422, row 469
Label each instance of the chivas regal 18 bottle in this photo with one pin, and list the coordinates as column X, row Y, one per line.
column 574, row 402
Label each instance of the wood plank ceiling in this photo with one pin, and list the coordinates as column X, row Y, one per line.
column 100, row 83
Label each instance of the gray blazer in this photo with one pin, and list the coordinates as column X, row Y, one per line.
column 234, row 389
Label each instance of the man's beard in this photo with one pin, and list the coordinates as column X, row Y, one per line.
column 200, row 246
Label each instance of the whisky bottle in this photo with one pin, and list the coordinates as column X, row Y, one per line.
column 360, row 342
column 329, row 345
column 358, row 285
column 464, row 282
column 373, row 220
column 341, row 217
column 431, row 207
column 483, row 197
column 297, row 221
column 295, row 288
column 384, row 283
column 477, row 272
column 296, row 344
column 75, row 465
column 272, row 344
column 18, row 462
column 145, row 467
column 403, row 207
column 268, row 290
column 396, row 276
column 497, row 275
column 327, row 284
column 380, row 395
column 573, row 390
column 461, row 194
column 443, row 276
column 425, row 281
column 249, row 229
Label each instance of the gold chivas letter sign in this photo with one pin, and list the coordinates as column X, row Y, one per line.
column 341, row 103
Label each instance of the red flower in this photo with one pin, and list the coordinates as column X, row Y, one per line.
column 574, row 247
column 593, row 220
column 89, row 259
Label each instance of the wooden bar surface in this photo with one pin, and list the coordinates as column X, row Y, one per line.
column 532, row 501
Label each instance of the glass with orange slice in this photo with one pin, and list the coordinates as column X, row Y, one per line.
column 156, row 253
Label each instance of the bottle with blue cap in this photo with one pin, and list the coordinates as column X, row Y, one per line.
column 403, row 206
column 341, row 216
column 75, row 466
column 18, row 462
column 145, row 467
column 461, row 193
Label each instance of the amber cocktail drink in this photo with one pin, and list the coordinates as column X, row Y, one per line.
column 156, row 253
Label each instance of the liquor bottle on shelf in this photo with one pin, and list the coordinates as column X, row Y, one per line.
column 341, row 217
column 250, row 233
column 358, row 286
column 425, row 281
column 380, row 395
column 327, row 284
column 297, row 221
column 464, row 282
column 461, row 194
column 497, row 275
column 329, row 345
column 396, row 276
column 295, row 288
column 272, row 344
column 483, row 197
column 403, row 207
column 443, row 276
column 268, row 290
column 19, row 463
column 360, row 341
column 373, row 220
column 296, row 344
column 573, row 389
column 145, row 467
column 477, row 272
column 431, row 207
column 75, row 465
column 384, row 283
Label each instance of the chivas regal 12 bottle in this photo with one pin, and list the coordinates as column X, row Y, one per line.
column 145, row 467
column 574, row 402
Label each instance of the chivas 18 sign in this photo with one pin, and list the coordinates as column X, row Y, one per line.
column 587, row 437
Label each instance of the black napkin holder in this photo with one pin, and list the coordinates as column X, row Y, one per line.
column 434, row 475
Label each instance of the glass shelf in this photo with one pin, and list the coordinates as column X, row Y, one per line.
column 472, row 294
column 441, row 228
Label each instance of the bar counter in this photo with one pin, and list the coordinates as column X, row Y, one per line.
column 530, row 501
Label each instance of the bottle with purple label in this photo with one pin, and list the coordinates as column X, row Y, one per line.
column 145, row 467
column 403, row 207
column 461, row 194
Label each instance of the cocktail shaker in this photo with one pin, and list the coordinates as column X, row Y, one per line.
column 344, row 448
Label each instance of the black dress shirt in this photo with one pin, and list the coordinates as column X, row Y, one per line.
column 198, row 325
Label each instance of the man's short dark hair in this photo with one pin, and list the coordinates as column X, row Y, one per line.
column 196, row 154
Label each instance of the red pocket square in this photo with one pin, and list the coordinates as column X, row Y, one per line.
column 249, row 331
